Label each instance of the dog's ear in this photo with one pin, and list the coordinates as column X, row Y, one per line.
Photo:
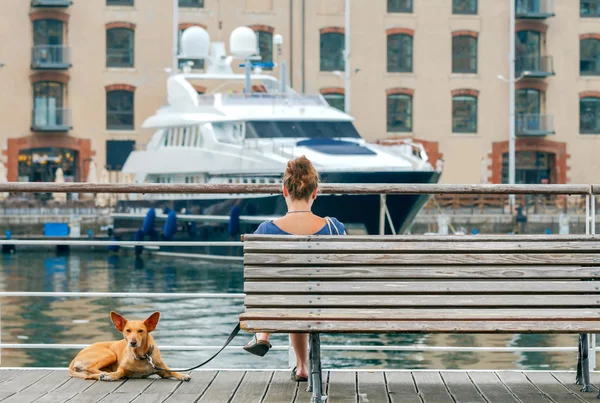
column 118, row 320
column 152, row 321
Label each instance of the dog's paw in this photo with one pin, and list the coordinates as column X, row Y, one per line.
column 106, row 377
column 186, row 378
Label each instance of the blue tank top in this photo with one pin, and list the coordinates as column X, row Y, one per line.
column 269, row 228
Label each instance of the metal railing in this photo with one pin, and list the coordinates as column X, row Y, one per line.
column 534, row 124
column 536, row 65
column 120, row 58
column 51, row 3
column 275, row 99
column 589, row 191
column 50, row 57
column 535, row 8
column 46, row 119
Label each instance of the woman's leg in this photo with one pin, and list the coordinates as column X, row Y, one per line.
column 263, row 336
column 300, row 345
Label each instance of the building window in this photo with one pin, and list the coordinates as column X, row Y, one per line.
column 336, row 100
column 464, row 6
column 399, row 113
column 48, row 104
column 265, row 47
column 119, row 110
column 464, row 114
column 119, row 2
column 332, row 51
column 528, row 51
column 589, row 116
column 464, row 54
column 119, row 47
column 589, row 53
column 589, row 8
column 399, row 53
column 191, row 3
column 399, row 6
column 532, row 167
column 198, row 64
column 48, row 41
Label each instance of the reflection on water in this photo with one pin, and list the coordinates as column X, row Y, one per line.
column 202, row 321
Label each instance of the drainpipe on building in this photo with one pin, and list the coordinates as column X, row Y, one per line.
column 175, row 66
column 292, row 43
column 347, row 56
column 303, row 46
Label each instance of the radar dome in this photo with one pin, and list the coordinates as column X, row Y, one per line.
column 195, row 43
column 243, row 42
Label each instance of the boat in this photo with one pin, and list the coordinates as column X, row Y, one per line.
column 247, row 134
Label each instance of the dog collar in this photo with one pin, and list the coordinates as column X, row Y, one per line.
column 147, row 357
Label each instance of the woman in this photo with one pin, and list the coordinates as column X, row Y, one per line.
column 300, row 187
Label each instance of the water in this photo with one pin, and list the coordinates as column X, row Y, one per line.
column 202, row 321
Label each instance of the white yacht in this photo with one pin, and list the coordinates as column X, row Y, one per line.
column 249, row 136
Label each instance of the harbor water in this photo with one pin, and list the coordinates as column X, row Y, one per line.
column 194, row 322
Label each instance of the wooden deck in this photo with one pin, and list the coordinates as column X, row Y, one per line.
column 269, row 387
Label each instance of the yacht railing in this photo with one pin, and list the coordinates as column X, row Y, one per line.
column 589, row 191
column 291, row 99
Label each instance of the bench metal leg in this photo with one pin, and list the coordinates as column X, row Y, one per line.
column 579, row 377
column 315, row 379
column 585, row 363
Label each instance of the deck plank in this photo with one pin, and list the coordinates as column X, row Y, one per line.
column 97, row 391
column 22, row 381
column 223, row 387
column 281, row 389
column 371, row 387
column 402, row 388
column 190, row 391
column 342, row 387
column 253, row 387
column 158, row 391
column 551, row 387
column 431, row 387
column 520, row 386
column 9, row 374
column 567, row 379
column 490, row 386
column 461, row 387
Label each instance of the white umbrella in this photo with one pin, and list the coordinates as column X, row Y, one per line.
column 92, row 177
column 102, row 199
column 3, row 179
column 59, row 177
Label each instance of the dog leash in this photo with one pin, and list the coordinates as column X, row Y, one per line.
column 229, row 340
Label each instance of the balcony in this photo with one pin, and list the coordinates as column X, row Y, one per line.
column 534, row 125
column 535, row 9
column 50, row 57
column 51, row 3
column 537, row 66
column 46, row 119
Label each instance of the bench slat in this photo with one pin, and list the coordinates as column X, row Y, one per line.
column 420, row 238
column 423, row 287
column 357, row 326
column 420, row 259
column 495, row 300
column 420, row 314
column 418, row 272
column 402, row 247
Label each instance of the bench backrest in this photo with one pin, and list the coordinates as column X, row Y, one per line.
column 428, row 284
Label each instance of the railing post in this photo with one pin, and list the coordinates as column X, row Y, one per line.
column 382, row 206
column 592, row 231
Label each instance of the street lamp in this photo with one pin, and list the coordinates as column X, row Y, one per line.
column 511, row 130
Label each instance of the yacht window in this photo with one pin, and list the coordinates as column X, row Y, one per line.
column 271, row 180
column 253, row 181
column 171, row 137
column 278, row 129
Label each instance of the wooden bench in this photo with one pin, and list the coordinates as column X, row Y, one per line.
column 422, row 284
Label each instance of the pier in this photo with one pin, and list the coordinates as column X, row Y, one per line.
column 21, row 385
column 379, row 384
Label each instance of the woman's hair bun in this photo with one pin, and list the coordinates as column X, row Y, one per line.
column 300, row 178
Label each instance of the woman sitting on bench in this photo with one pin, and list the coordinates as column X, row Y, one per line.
column 300, row 187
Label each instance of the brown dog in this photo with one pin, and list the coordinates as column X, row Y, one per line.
column 136, row 356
